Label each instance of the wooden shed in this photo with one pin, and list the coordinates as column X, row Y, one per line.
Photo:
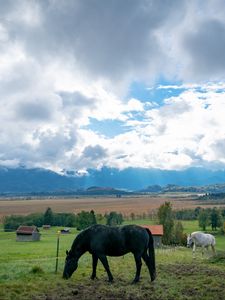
column 157, row 233
column 27, row 234
column 46, row 227
column 65, row 230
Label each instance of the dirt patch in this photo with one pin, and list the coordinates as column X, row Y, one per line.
column 175, row 281
column 190, row 270
column 197, row 281
column 97, row 290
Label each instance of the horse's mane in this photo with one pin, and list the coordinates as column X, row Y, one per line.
column 79, row 238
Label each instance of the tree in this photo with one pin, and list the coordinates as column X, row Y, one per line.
column 70, row 220
column 92, row 217
column 165, row 216
column 132, row 216
column 179, row 237
column 114, row 219
column 85, row 219
column 215, row 218
column 48, row 217
column 100, row 219
column 12, row 222
column 203, row 219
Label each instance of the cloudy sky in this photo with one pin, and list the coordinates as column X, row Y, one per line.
column 93, row 83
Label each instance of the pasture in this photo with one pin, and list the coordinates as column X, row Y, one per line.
column 27, row 271
column 126, row 205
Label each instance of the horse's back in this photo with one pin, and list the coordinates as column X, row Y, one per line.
column 117, row 241
column 203, row 239
column 136, row 236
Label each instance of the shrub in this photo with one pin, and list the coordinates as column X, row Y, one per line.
column 36, row 270
column 114, row 218
column 85, row 219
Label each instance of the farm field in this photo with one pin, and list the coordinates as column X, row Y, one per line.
column 27, row 271
column 124, row 205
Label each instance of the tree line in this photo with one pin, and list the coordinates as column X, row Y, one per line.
column 171, row 220
column 81, row 220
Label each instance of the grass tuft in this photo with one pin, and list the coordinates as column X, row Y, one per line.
column 37, row 270
column 219, row 258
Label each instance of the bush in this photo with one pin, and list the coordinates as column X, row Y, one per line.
column 85, row 219
column 180, row 238
column 36, row 270
column 114, row 218
column 11, row 223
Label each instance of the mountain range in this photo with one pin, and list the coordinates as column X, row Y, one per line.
column 24, row 180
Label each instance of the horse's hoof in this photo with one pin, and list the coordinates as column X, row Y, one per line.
column 134, row 281
column 153, row 277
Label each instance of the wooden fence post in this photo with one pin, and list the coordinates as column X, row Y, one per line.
column 57, row 252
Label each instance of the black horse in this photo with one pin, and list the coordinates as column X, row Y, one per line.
column 101, row 240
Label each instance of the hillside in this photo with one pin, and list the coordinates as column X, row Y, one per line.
column 23, row 180
column 170, row 188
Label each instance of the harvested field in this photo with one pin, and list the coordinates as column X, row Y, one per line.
column 124, row 205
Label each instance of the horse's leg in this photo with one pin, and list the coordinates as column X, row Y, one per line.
column 213, row 249
column 138, row 262
column 104, row 261
column 94, row 266
column 193, row 250
column 148, row 264
column 203, row 250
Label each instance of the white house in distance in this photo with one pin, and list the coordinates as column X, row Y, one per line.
column 27, row 234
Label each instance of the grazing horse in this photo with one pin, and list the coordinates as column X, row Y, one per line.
column 102, row 240
column 200, row 239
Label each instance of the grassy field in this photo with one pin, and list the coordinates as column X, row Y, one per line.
column 27, row 271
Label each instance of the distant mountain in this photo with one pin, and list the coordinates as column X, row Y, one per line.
column 23, row 180
column 171, row 188
column 137, row 178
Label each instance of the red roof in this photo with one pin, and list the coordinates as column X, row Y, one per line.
column 155, row 229
column 27, row 229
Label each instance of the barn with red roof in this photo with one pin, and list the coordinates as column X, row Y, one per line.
column 157, row 233
column 27, row 234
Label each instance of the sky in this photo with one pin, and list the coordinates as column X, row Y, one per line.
column 94, row 83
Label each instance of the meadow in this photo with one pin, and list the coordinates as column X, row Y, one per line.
column 27, row 271
column 125, row 205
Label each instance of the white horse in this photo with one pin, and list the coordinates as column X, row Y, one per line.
column 200, row 239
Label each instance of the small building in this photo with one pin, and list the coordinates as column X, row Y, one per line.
column 157, row 233
column 46, row 227
column 65, row 230
column 27, row 234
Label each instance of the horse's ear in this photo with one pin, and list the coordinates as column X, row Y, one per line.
column 67, row 252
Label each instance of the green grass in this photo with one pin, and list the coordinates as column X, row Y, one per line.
column 27, row 271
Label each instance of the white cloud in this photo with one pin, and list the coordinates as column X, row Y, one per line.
column 64, row 62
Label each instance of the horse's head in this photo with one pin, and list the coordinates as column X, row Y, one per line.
column 189, row 241
column 70, row 265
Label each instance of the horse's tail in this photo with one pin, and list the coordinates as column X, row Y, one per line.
column 151, row 254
